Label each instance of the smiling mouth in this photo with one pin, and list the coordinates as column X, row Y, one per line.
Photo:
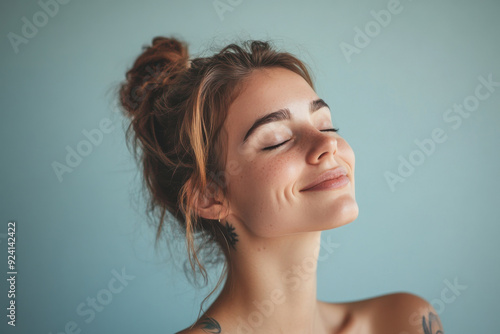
column 336, row 183
column 329, row 179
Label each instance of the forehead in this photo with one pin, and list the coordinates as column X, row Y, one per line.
column 265, row 91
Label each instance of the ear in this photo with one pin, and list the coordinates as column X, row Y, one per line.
column 210, row 204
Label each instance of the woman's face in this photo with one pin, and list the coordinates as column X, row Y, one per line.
column 263, row 185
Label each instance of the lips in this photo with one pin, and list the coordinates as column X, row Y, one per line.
column 330, row 174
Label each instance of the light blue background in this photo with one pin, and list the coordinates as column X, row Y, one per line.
column 441, row 224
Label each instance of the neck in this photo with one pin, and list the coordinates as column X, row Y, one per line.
column 271, row 285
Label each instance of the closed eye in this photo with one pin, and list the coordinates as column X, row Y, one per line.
column 278, row 145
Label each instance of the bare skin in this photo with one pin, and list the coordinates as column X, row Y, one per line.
column 398, row 313
column 274, row 227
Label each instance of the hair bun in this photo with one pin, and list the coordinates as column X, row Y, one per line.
column 157, row 67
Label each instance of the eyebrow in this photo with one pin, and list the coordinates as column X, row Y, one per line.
column 282, row 114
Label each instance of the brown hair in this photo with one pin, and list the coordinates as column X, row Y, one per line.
column 177, row 108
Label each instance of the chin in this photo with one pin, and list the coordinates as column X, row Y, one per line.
column 343, row 216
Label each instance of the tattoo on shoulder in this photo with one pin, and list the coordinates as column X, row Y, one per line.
column 233, row 237
column 210, row 325
column 427, row 325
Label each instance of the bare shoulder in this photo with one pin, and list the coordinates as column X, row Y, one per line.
column 406, row 313
column 395, row 313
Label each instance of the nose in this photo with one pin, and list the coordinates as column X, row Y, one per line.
column 322, row 146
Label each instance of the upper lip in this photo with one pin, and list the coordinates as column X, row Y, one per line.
column 329, row 174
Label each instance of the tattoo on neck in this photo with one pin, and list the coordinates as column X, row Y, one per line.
column 233, row 237
column 210, row 325
column 428, row 326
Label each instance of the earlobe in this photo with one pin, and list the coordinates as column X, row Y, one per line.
column 208, row 205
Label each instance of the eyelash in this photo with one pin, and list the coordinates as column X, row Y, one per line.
column 270, row 148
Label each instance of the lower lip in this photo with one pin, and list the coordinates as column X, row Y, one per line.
column 331, row 184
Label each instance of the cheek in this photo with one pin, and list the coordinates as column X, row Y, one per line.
column 275, row 174
column 256, row 203
column 257, row 179
column 347, row 153
column 260, row 184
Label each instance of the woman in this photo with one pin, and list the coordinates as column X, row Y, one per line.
column 243, row 153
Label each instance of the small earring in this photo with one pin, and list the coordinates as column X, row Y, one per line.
column 219, row 220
